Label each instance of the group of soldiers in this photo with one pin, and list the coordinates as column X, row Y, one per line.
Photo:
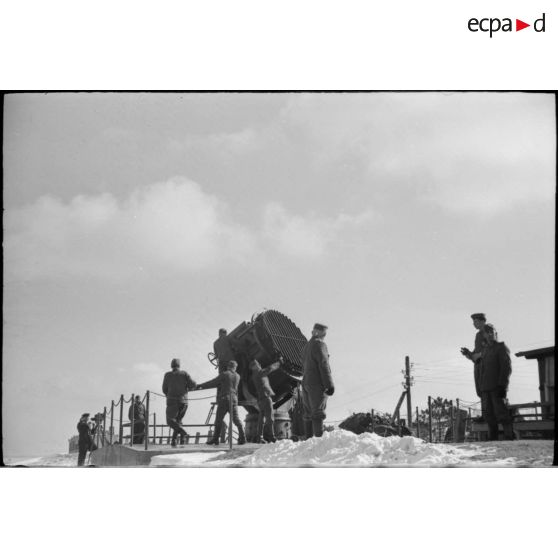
column 317, row 386
column 492, row 371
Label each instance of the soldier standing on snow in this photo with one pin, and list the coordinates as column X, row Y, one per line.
column 317, row 383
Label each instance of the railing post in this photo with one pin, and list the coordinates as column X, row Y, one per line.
column 146, row 419
column 121, row 427
column 418, row 424
column 430, row 419
column 104, row 426
column 111, row 420
column 230, row 420
column 132, row 422
column 452, row 425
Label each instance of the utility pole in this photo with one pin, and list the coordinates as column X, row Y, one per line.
column 408, row 392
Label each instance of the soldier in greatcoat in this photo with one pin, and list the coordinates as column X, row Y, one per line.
column 317, row 383
column 85, row 441
column 495, row 371
column 479, row 321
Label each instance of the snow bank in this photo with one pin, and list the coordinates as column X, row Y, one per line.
column 342, row 447
column 345, row 449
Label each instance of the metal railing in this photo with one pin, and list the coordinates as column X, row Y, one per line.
column 159, row 434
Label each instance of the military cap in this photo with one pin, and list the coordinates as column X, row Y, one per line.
column 479, row 316
column 320, row 327
column 222, row 330
column 175, row 362
column 85, row 415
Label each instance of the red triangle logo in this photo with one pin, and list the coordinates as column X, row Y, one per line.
column 519, row 25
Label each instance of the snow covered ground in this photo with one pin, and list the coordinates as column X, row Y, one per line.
column 341, row 448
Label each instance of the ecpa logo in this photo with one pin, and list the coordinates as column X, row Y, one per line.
column 493, row 25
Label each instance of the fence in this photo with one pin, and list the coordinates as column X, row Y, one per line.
column 112, row 428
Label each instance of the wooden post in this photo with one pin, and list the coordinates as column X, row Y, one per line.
column 418, row 424
column 146, row 434
column 372, row 418
column 452, row 425
column 154, row 428
column 132, row 423
column 430, row 419
column 230, row 420
column 111, row 420
column 408, row 388
column 121, row 427
column 104, row 425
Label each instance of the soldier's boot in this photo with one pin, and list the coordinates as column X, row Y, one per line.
column 508, row 432
column 318, row 427
column 308, row 430
column 182, row 439
column 241, row 436
column 214, row 441
column 173, row 441
column 269, row 437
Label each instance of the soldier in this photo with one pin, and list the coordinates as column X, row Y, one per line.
column 176, row 384
column 495, row 371
column 317, row 383
column 137, row 411
column 85, row 442
column 265, row 403
column 223, row 350
column 479, row 321
column 227, row 385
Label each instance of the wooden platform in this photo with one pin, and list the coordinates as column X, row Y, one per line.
column 137, row 456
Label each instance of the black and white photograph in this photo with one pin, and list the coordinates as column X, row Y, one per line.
column 279, row 279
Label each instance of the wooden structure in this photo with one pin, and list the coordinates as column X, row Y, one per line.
column 547, row 377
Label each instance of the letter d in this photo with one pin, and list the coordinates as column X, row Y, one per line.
column 535, row 25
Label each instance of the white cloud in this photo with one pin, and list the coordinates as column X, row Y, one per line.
column 467, row 153
column 173, row 226
column 306, row 236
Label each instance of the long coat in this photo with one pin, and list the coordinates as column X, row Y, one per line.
column 315, row 365
column 495, row 367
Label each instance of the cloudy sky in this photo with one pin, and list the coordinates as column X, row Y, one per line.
column 136, row 225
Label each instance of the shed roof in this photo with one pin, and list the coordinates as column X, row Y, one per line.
column 536, row 353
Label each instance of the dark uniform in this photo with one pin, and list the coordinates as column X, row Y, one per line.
column 476, row 357
column 85, row 442
column 315, row 381
column 265, row 402
column 137, row 412
column 227, row 385
column 223, row 351
column 495, row 371
column 176, row 384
